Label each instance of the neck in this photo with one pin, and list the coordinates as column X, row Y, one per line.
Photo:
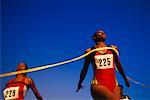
column 101, row 44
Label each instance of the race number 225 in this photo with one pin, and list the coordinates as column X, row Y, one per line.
column 104, row 61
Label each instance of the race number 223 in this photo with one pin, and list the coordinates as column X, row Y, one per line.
column 11, row 93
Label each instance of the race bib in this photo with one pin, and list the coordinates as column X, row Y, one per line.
column 11, row 93
column 104, row 61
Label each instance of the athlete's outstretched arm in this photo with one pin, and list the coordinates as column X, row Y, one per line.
column 84, row 71
column 34, row 89
column 120, row 69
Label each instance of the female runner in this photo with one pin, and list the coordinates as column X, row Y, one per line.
column 104, row 85
column 17, row 87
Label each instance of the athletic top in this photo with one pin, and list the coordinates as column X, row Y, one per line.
column 104, row 69
column 15, row 90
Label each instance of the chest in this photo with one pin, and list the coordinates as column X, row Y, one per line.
column 104, row 61
column 14, row 91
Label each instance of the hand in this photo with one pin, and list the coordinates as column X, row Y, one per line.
column 79, row 87
column 127, row 83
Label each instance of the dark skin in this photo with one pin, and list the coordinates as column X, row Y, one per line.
column 98, row 91
column 31, row 84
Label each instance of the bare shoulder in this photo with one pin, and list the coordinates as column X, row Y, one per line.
column 29, row 81
column 114, row 46
column 88, row 50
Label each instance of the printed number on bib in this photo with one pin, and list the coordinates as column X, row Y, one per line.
column 104, row 61
column 11, row 93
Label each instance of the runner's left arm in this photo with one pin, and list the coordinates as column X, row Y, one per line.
column 34, row 89
column 120, row 68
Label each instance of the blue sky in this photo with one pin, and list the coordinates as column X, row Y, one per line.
column 40, row 32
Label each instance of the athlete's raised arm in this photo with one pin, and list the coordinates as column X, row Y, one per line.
column 34, row 89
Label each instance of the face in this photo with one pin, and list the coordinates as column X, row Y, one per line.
column 99, row 36
column 21, row 66
column 102, row 34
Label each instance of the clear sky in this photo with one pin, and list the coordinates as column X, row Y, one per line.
column 40, row 32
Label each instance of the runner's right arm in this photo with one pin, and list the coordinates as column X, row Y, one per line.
column 84, row 70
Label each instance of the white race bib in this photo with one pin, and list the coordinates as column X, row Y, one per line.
column 11, row 93
column 104, row 61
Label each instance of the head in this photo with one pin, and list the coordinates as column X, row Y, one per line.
column 22, row 66
column 99, row 36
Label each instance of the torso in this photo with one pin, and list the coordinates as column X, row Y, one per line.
column 15, row 90
column 104, row 69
